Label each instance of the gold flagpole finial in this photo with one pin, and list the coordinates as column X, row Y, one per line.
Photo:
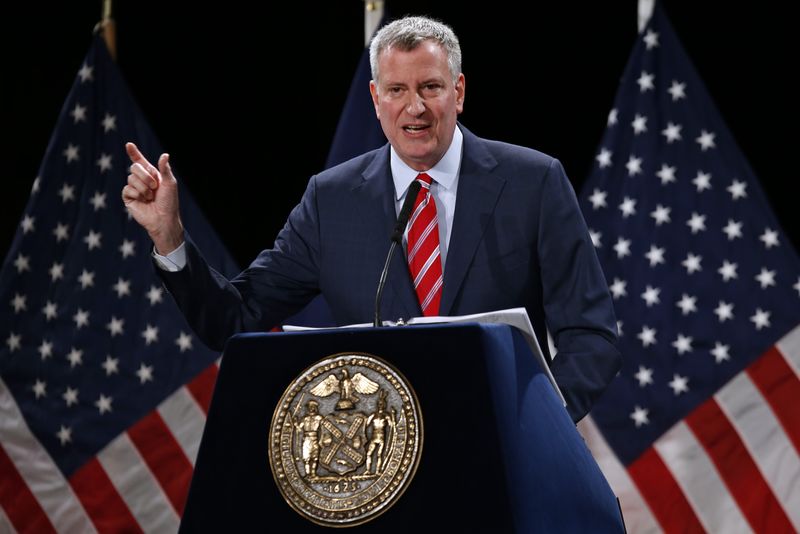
column 107, row 26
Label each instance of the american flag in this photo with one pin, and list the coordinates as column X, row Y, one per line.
column 701, row 429
column 103, row 387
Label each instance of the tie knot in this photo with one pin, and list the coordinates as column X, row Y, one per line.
column 424, row 179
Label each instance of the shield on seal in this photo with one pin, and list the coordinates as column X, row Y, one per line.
column 343, row 439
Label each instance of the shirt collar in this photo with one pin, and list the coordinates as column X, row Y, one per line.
column 443, row 173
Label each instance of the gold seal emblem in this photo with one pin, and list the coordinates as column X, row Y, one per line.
column 345, row 439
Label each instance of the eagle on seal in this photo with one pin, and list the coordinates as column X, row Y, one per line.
column 345, row 386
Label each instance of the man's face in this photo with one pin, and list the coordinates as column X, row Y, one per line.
column 417, row 102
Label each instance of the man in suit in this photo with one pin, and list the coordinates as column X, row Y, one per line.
column 505, row 229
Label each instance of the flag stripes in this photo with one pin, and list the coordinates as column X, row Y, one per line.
column 17, row 499
column 99, row 497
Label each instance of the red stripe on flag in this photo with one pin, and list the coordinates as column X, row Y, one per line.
column 776, row 380
column 666, row 499
column 19, row 504
column 202, row 387
column 737, row 469
column 163, row 454
column 100, row 498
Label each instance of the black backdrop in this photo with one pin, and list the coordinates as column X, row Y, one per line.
column 217, row 80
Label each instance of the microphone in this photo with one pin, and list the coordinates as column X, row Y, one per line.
column 397, row 237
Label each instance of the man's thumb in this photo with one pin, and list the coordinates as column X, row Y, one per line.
column 164, row 167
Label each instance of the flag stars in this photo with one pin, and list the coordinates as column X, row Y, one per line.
column 64, row 435
column 640, row 416
column 650, row 39
column 45, row 349
column 127, row 248
column 92, row 239
column 81, row 318
column 666, row 174
column 72, row 153
column 109, row 122
column 122, row 287
column 737, row 190
column 150, row 334
column 75, row 357
column 19, row 303
column 687, row 304
column 78, row 113
column 98, row 201
column 628, row 207
column 110, row 365
column 728, row 271
column 692, row 263
column 103, row 404
column 13, row 342
column 154, row 295
column 39, row 388
column 650, row 296
column 86, row 279
column 647, row 336
column 679, row 384
column 677, row 90
column 61, row 231
column 22, row 263
column 184, row 341
column 613, row 117
column 761, row 319
column 86, row 73
column 28, row 224
column 769, row 238
column 104, row 162
column 661, row 215
column 67, row 193
column 655, row 255
column 733, row 229
column 56, row 271
column 634, row 166
column 604, row 158
column 597, row 238
column 639, row 124
column 70, row 396
column 618, row 288
column 644, row 376
column 115, row 326
column 702, row 181
column 622, row 247
column 720, row 352
column 49, row 311
column 697, row 222
column 145, row 373
column 766, row 278
column 672, row 132
column 645, row 82
column 598, row 199
column 683, row 344
column 706, row 140
column 724, row 311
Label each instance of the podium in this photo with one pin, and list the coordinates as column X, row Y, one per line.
column 499, row 452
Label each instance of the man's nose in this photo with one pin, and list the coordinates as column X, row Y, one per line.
column 415, row 105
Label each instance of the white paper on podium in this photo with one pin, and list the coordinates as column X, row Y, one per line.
column 516, row 317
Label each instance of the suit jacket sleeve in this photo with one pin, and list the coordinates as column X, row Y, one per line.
column 578, row 306
column 277, row 284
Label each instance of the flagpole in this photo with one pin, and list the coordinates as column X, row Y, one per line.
column 373, row 12
column 109, row 29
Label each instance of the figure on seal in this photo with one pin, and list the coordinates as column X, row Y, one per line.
column 379, row 421
column 309, row 426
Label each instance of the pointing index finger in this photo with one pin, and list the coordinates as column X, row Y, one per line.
column 137, row 157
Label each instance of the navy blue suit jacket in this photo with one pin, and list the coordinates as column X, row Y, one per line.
column 518, row 239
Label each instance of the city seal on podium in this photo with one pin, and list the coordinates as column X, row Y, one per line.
column 345, row 439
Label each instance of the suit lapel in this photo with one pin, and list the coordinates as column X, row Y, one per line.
column 376, row 201
column 476, row 199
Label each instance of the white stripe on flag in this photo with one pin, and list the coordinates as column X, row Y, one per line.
column 789, row 345
column 185, row 420
column 37, row 469
column 5, row 523
column 637, row 515
column 767, row 443
column 697, row 476
column 137, row 486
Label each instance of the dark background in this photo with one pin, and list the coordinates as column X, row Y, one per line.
column 217, row 80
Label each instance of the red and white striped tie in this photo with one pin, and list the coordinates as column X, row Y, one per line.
column 423, row 249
